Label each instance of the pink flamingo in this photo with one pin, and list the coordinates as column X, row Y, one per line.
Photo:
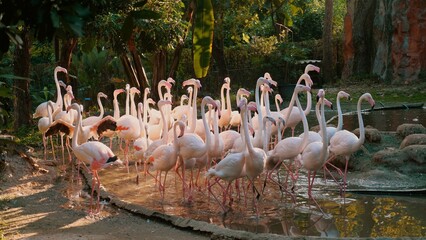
column 94, row 153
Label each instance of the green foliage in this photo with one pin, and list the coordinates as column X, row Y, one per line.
column 95, row 71
column 202, row 37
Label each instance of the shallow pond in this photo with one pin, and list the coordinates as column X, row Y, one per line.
column 388, row 212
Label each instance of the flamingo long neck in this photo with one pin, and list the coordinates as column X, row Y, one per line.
column 361, row 125
column 133, row 111
column 266, row 138
column 259, row 111
column 145, row 109
column 165, row 136
column 248, row 142
column 78, row 128
column 305, row 126
column 323, row 129
column 59, row 101
column 127, row 101
column 228, row 101
column 160, row 94
column 194, row 111
column 116, row 108
column 49, row 111
column 190, row 98
column 339, row 115
column 222, row 97
column 308, row 103
column 290, row 106
column 279, row 125
column 267, row 104
column 206, row 126
column 142, row 127
column 101, row 107
column 277, row 105
column 216, row 129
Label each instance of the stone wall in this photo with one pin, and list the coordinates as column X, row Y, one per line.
column 385, row 38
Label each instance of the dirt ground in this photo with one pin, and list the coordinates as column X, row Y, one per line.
column 40, row 201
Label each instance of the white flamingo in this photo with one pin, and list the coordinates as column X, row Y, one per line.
column 344, row 143
column 41, row 110
column 93, row 119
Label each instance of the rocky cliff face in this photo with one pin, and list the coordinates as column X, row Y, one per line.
column 385, row 38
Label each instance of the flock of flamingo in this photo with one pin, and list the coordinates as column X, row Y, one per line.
column 223, row 145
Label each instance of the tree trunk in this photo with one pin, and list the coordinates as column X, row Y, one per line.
column 327, row 39
column 159, row 72
column 219, row 57
column 65, row 58
column 178, row 50
column 21, row 68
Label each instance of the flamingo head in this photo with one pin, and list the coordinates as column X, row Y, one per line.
column 101, row 94
column 147, row 91
column 251, row 106
column 281, row 120
column 140, row 106
column 161, row 103
column 328, row 103
column 307, row 79
column 311, row 67
column 171, row 80
column 189, row 90
column 127, row 87
column 301, row 88
column 271, row 119
column 118, row 91
column 135, row 90
column 279, row 98
column 343, row 94
column 62, row 84
column 74, row 106
column 369, row 99
column 227, row 80
column 60, row 69
column 242, row 103
column 150, row 101
column 243, row 92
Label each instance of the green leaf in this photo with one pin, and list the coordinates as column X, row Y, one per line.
column 145, row 14
column 140, row 4
column 202, row 39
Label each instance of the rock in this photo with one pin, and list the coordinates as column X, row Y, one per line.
column 371, row 134
column 413, row 139
column 406, row 129
column 391, row 157
column 416, row 153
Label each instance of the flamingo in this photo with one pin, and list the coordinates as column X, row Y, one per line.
column 235, row 115
column 225, row 112
column 292, row 118
column 133, row 91
column 116, row 115
column 332, row 130
column 178, row 111
column 254, row 157
column 93, row 119
column 128, row 127
column 191, row 145
column 162, row 104
column 164, row 158
column 291, row 147
column 41, row 110
column 154, row 115
column 94, row 153
column 258, row 136
column 192, row 118
column 278, row 101
column 43, row 126
column 344, row 143
column 315, row 154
